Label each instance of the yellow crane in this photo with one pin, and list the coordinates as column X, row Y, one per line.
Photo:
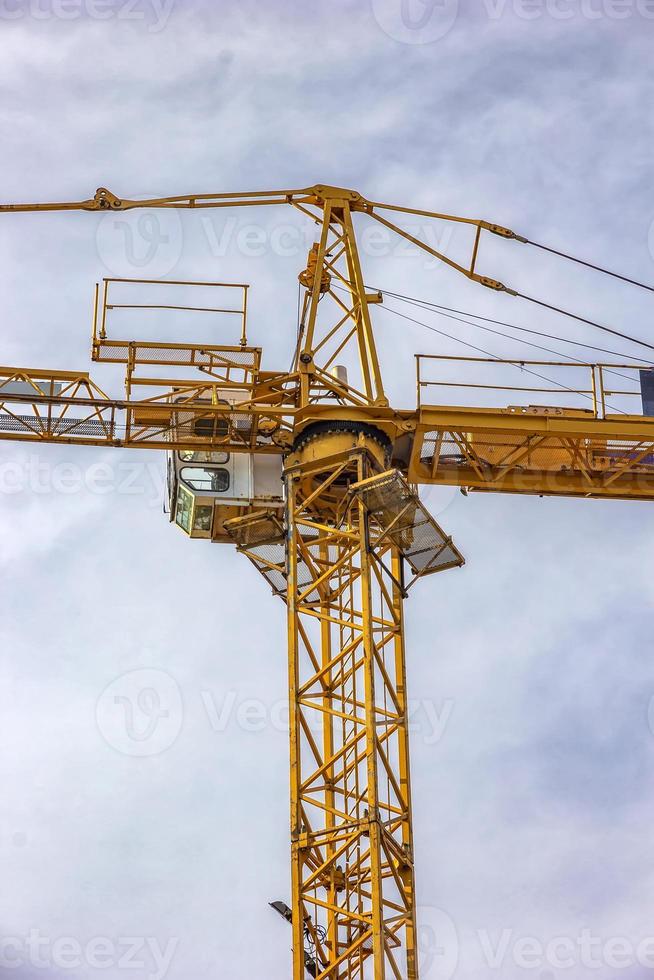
column 313, row 476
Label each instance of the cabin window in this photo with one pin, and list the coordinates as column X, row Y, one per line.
column 205, row 481
column 202, row 517
column 184, row 508
column 202, row 456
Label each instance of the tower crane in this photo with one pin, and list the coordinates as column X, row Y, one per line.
column 313, row 475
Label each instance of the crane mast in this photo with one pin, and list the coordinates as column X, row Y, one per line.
column 344, row 543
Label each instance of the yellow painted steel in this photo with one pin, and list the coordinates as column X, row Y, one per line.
column 332, row 560
column 596, row 448
column 352, row 851
column 544, row 451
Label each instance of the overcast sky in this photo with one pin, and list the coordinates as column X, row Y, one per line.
column 530, row 670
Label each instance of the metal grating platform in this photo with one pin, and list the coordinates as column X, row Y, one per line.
column 404, row 520
column 262, row 537
column 63, row 426
column 257, row 528
column 214, row 358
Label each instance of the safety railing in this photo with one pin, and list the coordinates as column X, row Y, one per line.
column 164, row 295
column 170, row 310
column 598, row 390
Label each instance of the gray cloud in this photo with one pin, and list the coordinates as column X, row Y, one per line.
column 533, row 811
